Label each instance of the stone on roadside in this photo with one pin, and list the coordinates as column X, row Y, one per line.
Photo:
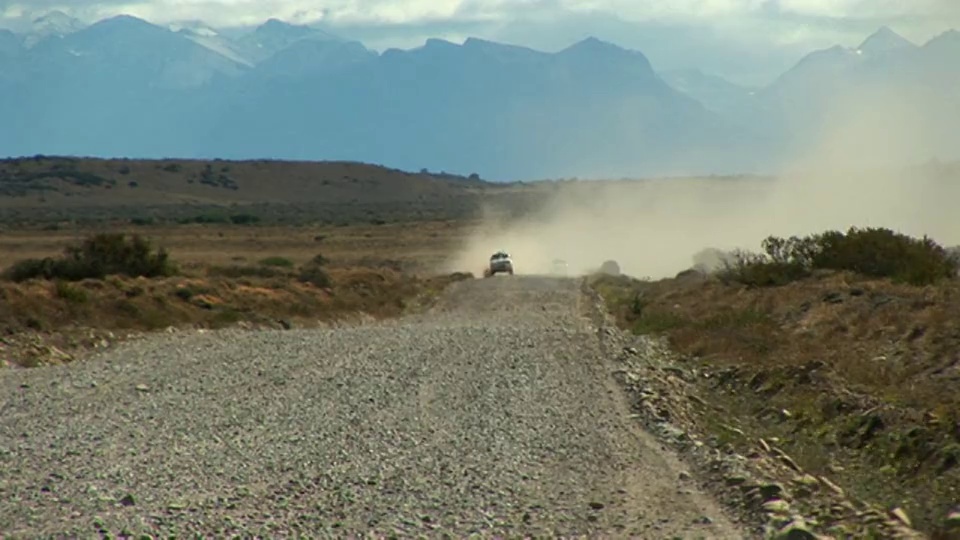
column 795, row 531
column 901, row 516
column 776, row 506
column 771, row 490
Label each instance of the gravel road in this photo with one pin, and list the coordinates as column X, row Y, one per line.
column 495, row 413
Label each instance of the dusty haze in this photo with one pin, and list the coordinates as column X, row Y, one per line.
column 855, row 173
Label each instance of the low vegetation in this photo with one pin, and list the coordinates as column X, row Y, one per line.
column 840, row 346
column 873, row 252
column 108, row 283
column 96, row 258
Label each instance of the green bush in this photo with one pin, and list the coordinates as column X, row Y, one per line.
column 281, row 262
column 70, row 293
column 874, row 252
column 244, row 219
column 313, row 272
column 97, row 257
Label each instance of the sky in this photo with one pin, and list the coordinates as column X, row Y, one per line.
column 748, row 41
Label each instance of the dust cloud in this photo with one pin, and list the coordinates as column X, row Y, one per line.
column 867, row 166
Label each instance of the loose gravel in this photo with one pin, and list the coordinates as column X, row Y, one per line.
column 495, row 413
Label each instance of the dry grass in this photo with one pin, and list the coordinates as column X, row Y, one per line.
column 228, row 274
column 866, row 370
column 417, row 246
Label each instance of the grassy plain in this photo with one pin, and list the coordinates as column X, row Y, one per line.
column 853, row 376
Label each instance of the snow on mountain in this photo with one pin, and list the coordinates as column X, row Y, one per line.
column 275, row 35
column 53, row 24
column 210, row 38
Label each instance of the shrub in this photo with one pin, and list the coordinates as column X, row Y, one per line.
column 244, row 219
column 97, row 257
column 874, row 252
column 282, row 262
column 206, row 219
column 757, row 270
column 313, row 272
column 611, row 268
column 70, row 293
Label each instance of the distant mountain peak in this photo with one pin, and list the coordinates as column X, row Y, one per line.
column 595, row 46
column 478, row 42
column 883, row 41
column 53, row 23
column 194, row 28
column 947, row 43
column 439, row 42
column 55, row 16
column 593, row 43
column 124, row 19
column 124, row 24
column 274, row 25
column 948, row 36
column 274, row 28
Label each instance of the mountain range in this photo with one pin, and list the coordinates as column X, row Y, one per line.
column 124, row 87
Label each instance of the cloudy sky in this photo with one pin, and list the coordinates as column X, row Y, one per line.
column 749, row 41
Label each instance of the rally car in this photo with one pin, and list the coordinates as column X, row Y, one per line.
column 499, row 262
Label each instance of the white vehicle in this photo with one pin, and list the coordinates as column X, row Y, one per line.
column 499, row 262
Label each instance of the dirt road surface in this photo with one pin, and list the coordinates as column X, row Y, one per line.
column 495, row 413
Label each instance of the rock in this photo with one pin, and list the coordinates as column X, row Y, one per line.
column 840, row 531
column 787, row 460
column 596, row 505
column 128, row 500
column 736, row 479
column 632, row 350
column 901, row 516
column 776, row 506
column 142, row 388
column 285, row 324
column 771, row 490
column 684, row 475
column 733, row 429
column 795, row 531
column 833, row 487
column 807, row 480
column 674, row 433
column 764, row 445
column 673, row 370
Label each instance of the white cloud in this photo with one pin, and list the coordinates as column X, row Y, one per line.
column 871, row 8
column 408, row 11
